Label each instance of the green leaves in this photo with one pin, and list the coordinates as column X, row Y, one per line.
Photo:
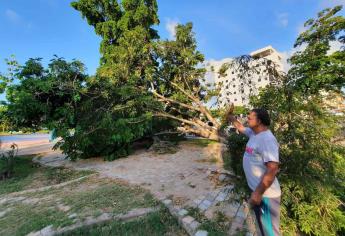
column 42, row 97
column 116, row 109
column 316, row 67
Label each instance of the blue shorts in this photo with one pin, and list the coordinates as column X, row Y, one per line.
column 268, row 216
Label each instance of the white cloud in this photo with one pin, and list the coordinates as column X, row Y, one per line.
column 12, row 16
column 287, row 54
column 334, row 46
column 283, row 19
column 17, row 20
column 170, row 26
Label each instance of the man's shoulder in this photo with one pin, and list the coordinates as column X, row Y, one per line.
column 268, row 136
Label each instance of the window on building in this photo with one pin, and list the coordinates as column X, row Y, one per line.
column 242, row 91
column 235, row 99
column 234, row 86
column 259, row 79
column 233, row 79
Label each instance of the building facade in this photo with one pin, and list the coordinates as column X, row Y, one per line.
column 236, row 90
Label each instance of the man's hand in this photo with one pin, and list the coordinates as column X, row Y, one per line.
column 265, row 183
column 255, row 199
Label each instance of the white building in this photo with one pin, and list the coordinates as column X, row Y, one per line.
column 236, row 90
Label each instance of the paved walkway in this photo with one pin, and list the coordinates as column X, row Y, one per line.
column 192, row 177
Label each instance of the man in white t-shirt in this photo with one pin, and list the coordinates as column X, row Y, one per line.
column 261, row 165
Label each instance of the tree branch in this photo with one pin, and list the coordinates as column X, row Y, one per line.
column 161, row 114
column 202, row 109
column 174, row 101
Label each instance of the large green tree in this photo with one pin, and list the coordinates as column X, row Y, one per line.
column 119, row 109
column 45, row 97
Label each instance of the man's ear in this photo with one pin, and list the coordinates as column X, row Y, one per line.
column 259, row 121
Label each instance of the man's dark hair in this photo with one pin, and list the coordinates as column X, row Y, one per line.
column 262, row 115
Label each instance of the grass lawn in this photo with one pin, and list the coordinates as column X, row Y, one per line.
column 28, row 175
column 88, row 198
column 154, row 224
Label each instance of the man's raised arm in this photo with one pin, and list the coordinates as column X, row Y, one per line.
column 238, row 125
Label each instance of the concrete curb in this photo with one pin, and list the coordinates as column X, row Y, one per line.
column 105, row 217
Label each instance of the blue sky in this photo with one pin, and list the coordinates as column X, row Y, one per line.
column 224, row 28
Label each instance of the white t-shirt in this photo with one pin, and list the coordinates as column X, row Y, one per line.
column 261, row 148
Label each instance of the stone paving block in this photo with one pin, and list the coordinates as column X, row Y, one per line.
column 201, row 233
column 205, row 205
column 235, row 205
column 47, row 231
column 175, row 209
column 167, row 202
column 241, row 213
column 187, row 220
column 215, row 193
column 221, row 197
column 202, row 207
column 3, row 213
column 238, row 220
column 210, row 197
column 182, row 212
column 194, row 225
column 197, row 201
column 73, row 215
